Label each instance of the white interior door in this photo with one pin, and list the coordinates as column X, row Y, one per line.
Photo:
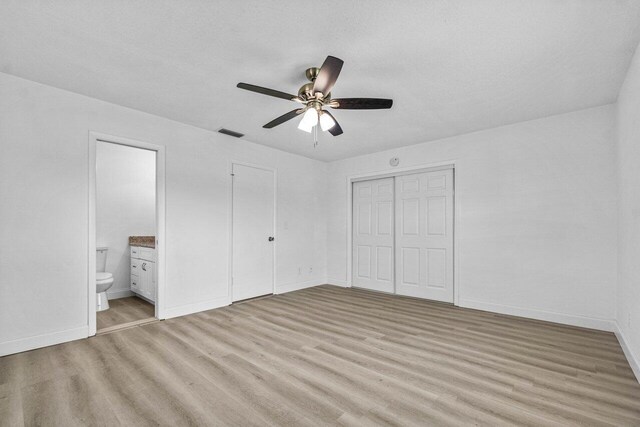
column 424, row 235
column 373, row 230
column 253, row 232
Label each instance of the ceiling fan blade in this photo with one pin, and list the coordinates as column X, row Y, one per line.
column 266, row 91
column 361, row 103
column 328, row 75
column 283, row 118
column 335, row 130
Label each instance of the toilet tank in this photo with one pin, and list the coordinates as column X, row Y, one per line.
column 101, row 259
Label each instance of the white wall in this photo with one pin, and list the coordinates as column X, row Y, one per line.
column 536, row 203
column 536, row 219
column 628, row 156
column 125, row 206
column 44, row 135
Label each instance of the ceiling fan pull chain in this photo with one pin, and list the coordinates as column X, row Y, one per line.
column 315, row 136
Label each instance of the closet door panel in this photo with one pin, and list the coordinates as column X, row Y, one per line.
column 373, row 234
column 424, row 235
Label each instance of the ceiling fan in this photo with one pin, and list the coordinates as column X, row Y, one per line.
column 316, row 96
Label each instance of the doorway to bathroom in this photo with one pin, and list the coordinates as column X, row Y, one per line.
column 126, row 227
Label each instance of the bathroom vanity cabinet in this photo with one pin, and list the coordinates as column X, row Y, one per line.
column 143, row 272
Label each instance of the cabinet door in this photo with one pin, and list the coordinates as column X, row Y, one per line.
column 144, row 278
column 148, row 279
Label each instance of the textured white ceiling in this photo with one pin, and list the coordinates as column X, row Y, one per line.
column 450, row 66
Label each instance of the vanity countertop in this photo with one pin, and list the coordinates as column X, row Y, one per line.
column 143, row 241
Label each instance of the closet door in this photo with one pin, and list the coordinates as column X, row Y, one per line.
column 424, row 235
column 373, row 223
column 253, row 232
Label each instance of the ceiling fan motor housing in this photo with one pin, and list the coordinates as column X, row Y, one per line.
column 306, row 91
column 312, row 73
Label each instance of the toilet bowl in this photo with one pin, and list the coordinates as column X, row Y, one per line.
column 104, row 281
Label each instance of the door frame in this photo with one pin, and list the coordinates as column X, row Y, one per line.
column 94, row 138
column 230, row 221
column 386, row 173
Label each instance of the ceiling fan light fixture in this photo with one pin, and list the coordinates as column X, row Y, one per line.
column 309, row 120
column 311, row 116
column 326, row 121
column 305, row 126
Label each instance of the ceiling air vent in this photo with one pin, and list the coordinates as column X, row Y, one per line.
column 231, row 133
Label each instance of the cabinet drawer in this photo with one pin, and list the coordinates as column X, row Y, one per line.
column 135, row 266
column 138, row 252
column 135, row 284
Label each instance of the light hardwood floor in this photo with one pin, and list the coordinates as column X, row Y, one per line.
column 327, row 356
column 123, row 311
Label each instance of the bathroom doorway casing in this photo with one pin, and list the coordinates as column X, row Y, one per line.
column 94, row 138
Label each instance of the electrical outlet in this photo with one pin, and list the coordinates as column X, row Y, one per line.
column 299, row 271
column 310, row 270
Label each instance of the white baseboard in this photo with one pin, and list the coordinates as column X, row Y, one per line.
column 338, row 282
column 633, row 359
column 119, row 293
column 565, row 319
column 183, row 310
column 45, row 340
column 295, row 286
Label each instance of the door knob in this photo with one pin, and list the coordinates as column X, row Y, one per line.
column 271, row 238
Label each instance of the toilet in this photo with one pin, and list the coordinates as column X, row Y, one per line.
column 104, row 280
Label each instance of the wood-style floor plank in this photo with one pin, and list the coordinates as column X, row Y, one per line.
column 327, row 356
column 124, row 310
